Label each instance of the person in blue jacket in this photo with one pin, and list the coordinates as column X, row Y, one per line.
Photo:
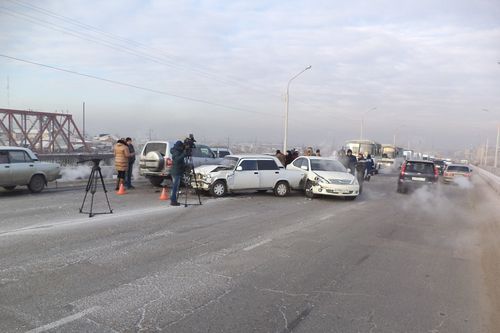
column 178, row 167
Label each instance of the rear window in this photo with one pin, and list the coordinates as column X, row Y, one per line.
column 155, row 146
column 267, row 165
column 4, row 157
column 202, row 151
column 420, row 167
column 458, row 168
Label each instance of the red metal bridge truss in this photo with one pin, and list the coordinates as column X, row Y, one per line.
column 42, row 132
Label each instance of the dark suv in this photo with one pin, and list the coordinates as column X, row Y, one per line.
column 416, row 174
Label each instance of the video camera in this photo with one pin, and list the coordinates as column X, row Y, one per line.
column 189, row 144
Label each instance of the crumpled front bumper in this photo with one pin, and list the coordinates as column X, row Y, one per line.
column 336, row 189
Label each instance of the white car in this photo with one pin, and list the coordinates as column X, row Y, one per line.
column 247, row 173
column 326, row 176
column 20, row 166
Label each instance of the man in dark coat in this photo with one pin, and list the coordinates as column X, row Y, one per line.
column 351, row 161
column 178, row 168
column 131, row 161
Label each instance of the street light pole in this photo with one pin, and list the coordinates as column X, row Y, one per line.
column 363, row 122
column 496, row 146
column 286, row 107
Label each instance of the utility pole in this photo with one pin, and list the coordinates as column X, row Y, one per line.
column 83, row 122
column 486, row 153
column 496, row 146
column 8, row 91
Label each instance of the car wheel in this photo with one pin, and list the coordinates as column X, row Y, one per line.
column 37, row 183
column 350, row 198
column 218, row 189
column 156, row 181
column 281, row 189
column 9, row 188
column 309, row 190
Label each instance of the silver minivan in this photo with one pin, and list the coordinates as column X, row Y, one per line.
column 155, row 160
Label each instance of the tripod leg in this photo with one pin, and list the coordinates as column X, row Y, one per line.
column 105, row 191
column 87, row 188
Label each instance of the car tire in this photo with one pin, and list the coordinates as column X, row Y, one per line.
column 350, row 198
column 218, row 189
column 308, row 190
column 281, row 189
column 37, row 183
column 156, row 181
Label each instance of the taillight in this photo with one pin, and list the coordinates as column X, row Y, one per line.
column 436, row 172
column 168, row 162
column 403, row 169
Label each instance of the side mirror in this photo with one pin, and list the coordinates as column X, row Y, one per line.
column 304, row 167
column 349, row 170
column 239, row 168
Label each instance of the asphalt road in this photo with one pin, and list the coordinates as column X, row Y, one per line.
column 387, row 262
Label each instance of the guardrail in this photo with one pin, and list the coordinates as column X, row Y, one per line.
column 73, row 159
column 491, row 179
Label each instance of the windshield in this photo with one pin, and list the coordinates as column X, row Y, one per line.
column 229, row 162
column 458, row 168
column 327, row 165
column 388, row 152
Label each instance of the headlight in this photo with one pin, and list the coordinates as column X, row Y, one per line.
column 207, row 177
column 354, row 181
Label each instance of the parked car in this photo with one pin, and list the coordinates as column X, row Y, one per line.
column 247, row 173
column 452, row 171
column 325, row 176
column 221, row 152
column 155, row 160
column 415, row 174
column 21, row 167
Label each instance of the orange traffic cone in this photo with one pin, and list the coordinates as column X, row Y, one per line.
column 164, row 194
column 121, row 190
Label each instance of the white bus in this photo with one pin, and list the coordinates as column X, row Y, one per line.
column 392, row 157
column 364, row 146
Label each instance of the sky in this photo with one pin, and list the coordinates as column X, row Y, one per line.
column 425, row 72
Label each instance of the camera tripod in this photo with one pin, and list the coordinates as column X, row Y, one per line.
column 95, row 176
column 188, row 175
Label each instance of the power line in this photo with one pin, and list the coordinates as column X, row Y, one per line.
column 136, row 86
column 171, row 63
column 124, row 48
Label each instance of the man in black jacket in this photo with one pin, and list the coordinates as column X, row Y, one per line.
column 131, row 161
column 178, row 168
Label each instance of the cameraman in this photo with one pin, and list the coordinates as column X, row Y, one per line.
column 178, row 167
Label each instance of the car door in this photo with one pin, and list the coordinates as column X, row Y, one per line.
column 269, row 172
column 5, row 178
column 246, row 175
column 22, row 167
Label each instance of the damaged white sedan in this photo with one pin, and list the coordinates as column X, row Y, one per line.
column 326, row 177
column 247, row 173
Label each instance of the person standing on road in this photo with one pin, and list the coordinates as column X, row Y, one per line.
column 178, row 168
column 370, row 166
column 281, row 157
column 131, row 161
column 350, row 161
column 318, row 152
column 121, row 161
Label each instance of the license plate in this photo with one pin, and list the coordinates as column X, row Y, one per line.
column 420, row 179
